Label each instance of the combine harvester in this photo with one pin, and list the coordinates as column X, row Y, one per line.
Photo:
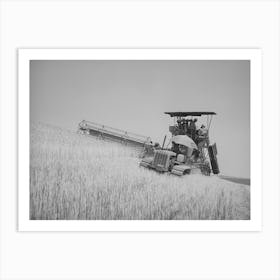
column 113, row 134
column 191, row 152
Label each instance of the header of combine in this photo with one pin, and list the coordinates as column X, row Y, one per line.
column 114, row 134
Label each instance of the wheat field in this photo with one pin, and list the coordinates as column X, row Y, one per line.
column 77, row 177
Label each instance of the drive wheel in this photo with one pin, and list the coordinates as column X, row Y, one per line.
column 186, row 172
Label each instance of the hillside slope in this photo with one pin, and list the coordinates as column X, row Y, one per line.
column 79, row 177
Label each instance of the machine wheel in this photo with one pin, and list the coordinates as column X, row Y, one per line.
column 187, row 172
column 205, row 169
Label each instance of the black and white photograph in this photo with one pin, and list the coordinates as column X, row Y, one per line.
column 139, row 140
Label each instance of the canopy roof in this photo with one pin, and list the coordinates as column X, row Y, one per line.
column 185, row 114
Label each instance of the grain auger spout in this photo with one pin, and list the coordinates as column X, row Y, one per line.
column 113, row 134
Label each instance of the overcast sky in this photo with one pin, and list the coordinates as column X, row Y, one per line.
column 133, row 95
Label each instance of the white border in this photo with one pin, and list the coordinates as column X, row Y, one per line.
column 24, row 57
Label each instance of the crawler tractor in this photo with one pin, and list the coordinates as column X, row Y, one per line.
column 190, row 150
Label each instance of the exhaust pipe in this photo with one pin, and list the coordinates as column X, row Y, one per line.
column 163, row 142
